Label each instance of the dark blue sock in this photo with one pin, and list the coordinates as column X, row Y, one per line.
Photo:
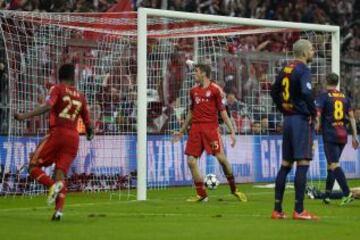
column 340, row 177
column 300, row 183
column 280, row 187
column 330, row 179
column 336, row 195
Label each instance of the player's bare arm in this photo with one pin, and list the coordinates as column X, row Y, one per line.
column 178, row 135
column 230, row 127
column 36, row 112
column 317, row 121
column 355, row 141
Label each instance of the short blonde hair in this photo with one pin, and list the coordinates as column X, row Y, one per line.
column 300, row 46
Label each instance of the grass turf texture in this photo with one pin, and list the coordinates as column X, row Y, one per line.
column 166, row 215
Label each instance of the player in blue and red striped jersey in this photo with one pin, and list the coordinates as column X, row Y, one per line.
column 333, row 108
column 61, row 144
column 292, row 94
column 206, row 102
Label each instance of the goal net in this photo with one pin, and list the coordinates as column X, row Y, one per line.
column 135, row 72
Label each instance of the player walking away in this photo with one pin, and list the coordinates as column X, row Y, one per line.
column 206, row 103
column 60, row 146
column 292, row 95
column 332, row 109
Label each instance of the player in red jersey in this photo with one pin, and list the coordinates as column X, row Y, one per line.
column 61, row 144
column 206, row 103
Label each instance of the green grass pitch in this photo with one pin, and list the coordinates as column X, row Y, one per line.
column 166, row 215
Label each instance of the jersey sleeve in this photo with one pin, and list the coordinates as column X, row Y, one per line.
column 85, row 113
column 191, row 100
column 219, row 98
column 53, row 96
column 306, row 90
column 276, row 91
column 348, row 106
column 320, row 103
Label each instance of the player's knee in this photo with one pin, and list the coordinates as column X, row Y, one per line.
column 191, row 161
column 60, row 174
column 286, row 164
column 332, row 166
column 303, row 163
column 221, row 158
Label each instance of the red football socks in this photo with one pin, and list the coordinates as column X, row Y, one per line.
column 231, row 181
column 60, row 200
column 40, row 176
column 200, row 189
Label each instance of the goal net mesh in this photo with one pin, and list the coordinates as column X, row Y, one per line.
column 103, row 47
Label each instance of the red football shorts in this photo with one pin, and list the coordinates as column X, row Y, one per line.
column 59, row 147
column 204, row 136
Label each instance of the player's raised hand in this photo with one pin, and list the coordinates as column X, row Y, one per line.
column 355, row 142
column 176, row 136
column 233, row 139
column 19, row 116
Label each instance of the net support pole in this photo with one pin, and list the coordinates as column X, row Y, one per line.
column 335, row 53
column 141, row 104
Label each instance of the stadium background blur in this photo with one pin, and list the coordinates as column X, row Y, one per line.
column 114, row 109
column 251, row 116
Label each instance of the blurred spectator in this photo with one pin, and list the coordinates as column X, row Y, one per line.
column 256, row 128
column 357, row 118
column 242, row 78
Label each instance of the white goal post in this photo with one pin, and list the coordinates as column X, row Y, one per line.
column 142, row 35
column 135, row 69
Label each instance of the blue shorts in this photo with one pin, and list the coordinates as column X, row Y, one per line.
column 333, row 151
column 298, row 135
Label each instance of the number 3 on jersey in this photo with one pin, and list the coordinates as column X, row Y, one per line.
column 70, row 103
column 286, row 84
column 338, row 110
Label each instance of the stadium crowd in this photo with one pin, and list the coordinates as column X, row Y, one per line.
column 250, row 116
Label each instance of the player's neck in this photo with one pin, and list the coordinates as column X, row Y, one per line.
column 206, row 83
column 303, row 60
column 331, row 88
column 67, row 83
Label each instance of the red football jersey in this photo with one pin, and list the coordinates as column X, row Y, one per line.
column 67, row 105
column 206, row 103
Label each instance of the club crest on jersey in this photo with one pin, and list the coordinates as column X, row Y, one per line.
column 308, row 85
column 197, row 100
column 208, row 93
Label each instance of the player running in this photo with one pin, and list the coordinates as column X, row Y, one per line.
column 61, row 144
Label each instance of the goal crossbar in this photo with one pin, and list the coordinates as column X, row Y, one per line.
column 142, row 34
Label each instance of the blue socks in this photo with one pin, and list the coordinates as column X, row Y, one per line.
column 330, row 179
column 280, row 187
column 300, row 183
column 340, row 177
